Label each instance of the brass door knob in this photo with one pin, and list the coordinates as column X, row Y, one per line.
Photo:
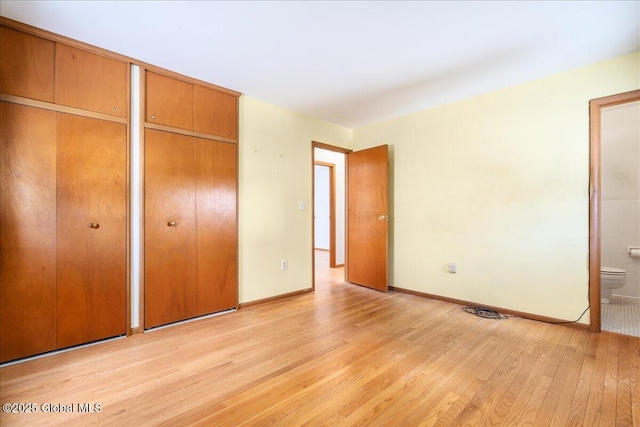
column 383, row 217
column 171, row 224
column 94, row 225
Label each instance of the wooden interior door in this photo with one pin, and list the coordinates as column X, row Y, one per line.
column 368, row 217
column 91, row 229
column 27, row 231
column 216, row 236
column 169, row 228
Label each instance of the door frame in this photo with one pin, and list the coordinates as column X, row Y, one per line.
column 595, row 197
column 332, row 210
column 328, row 147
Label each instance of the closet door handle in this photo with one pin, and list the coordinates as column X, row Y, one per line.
column 171, row 224
column 94, row 225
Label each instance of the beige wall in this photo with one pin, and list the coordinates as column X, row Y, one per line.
column 275, row 175
column 499, row 184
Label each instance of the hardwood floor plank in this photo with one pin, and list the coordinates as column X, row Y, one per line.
column 634, row 379
column 622, row 386
column 340, row 356
column 578, row 410
column 527, row 404
column 432, row 382
column 496, row 385
column 594, row 405
column 558, row 378
column 563, row 408
column 477, row 361
column 522, row 370
column 611, row 382
column 458, row 405
column 328, row 374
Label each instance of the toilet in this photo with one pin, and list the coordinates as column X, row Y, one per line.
column 610, row 279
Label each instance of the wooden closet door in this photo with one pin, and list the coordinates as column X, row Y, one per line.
column 215, row 112
column 90, row 81
column 27, row 231
column 216, row 235
column 26, row 65
column 169, row 249
column 169, row 101
column 91, row 259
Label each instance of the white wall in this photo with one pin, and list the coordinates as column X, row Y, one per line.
column 275, row 174
column 337, row 159
column 620, row 180
column 499, row 184
column 322, row 207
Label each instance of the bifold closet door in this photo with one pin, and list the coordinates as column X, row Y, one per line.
column 169, row 228
column 63, row 230
column 91, row 229
column 216, row 172
column 27, row 231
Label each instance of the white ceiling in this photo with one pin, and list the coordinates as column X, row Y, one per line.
column 350, row 63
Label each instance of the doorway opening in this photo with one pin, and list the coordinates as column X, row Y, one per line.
column 324, row 209
column 599, row 201
column 364, row 243
column 329, row 217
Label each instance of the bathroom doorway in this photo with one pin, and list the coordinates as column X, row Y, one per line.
column 615, row 212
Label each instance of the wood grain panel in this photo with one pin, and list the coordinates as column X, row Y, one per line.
column 27, row 231
column 169, row 252
column 90, row 81
column 216, row 236
column 215, row 112
column 91, row 263
column 367, row 198
column 26, row 65
column 168, row 101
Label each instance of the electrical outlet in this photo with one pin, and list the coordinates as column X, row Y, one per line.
column 284, row 264
column 453, row 267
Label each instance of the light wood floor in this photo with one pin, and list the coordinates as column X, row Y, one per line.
column 344, row 355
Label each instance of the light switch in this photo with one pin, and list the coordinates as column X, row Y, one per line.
column 302, row 205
